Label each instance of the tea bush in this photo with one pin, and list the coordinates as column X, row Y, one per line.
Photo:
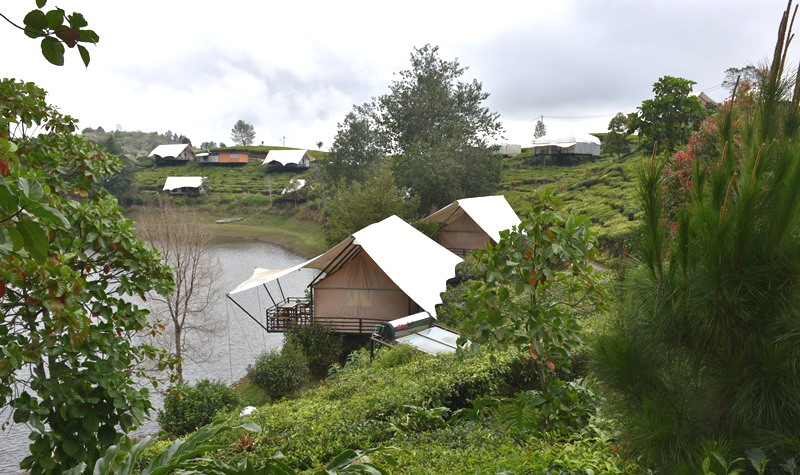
column 321, row 347
column 188, row 407
column 358, row 406
column 280, row 373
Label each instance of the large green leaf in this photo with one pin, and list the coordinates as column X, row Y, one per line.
column 55, row 18
column 84, row 55
column 35, row 239
column 35, row 23
column 9, row 201
column 53, row 50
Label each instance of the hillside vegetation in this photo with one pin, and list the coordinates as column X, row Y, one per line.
column 430, row 415
column 603, row 189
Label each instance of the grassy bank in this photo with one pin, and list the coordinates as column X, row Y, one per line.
column 303, row 236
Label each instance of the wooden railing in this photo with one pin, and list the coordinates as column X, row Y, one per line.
column 297, row 312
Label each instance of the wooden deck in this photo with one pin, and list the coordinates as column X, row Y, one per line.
column 298, row 312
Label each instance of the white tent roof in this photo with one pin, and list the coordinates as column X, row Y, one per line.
column 492, row 213
column 294, row 185
column 419, row 266
column 565, row 141
column 175, row 182
column 171, row 150
column 286, row 157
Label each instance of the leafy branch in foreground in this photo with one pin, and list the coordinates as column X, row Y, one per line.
column 69, row 265
column 536, row 279
column 57, row 29
column 188, row 456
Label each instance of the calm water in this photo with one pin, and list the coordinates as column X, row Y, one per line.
column 236, row 346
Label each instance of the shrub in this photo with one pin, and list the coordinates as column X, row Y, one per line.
column 280, row 373
column 396, row 356
column 188, row 407
column 319, row 345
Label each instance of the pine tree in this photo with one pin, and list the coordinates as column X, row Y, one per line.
column 706, row 350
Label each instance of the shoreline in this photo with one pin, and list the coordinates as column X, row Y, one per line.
column 300, row 236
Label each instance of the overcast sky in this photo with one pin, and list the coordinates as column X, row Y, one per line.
column 295, row 68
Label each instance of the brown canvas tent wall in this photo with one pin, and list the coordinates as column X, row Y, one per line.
column 360, row 289
column 470, row 223
column 382, row 272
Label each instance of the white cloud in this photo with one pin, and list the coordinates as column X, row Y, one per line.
column 294, row 69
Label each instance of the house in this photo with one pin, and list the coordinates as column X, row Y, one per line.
column 173, row 153
column 707, row 102
column 224, row 157
column 285, row 159
column 509, row 150
column 383, row 272
column 573, row 144
column 470, row 223
column 184, row 185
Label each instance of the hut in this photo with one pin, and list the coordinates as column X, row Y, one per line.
column 573, row 144
column 184, row 185
column 383, row 272
column 470, row 223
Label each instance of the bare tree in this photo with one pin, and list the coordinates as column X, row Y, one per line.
column 185, row 312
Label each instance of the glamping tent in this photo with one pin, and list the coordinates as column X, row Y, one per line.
column 470, row 223
column 184, row 185
column 288, row 159
column 173, row 152
column 380, row 273
column 575, row 144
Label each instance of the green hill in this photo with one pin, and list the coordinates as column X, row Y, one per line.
column 603, row 189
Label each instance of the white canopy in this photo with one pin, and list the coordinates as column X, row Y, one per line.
column 417, row 265
column 294, row 185
column 580, row 143
column 289, row 157
column 175, row 182
column 169, row 151
column 491, row 213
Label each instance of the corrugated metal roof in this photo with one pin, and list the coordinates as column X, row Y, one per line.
column 434, row 340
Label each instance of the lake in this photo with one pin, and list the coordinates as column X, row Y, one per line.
column 235, row 347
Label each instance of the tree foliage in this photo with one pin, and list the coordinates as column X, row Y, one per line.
column 670, row 117
column 243, row 133
column 540, row 130
column 533, row 281
column 616, row 141
column 356, row 149
column 69, row 265
column 438, row 128
column 746, row 74
column 357, row 205
column 706, row 348
column 56, row 29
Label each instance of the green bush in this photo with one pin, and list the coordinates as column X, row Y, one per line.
column 280, row 373
column 357, row 407
column 399, row 355
column 188, row 407
column 321, row 347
